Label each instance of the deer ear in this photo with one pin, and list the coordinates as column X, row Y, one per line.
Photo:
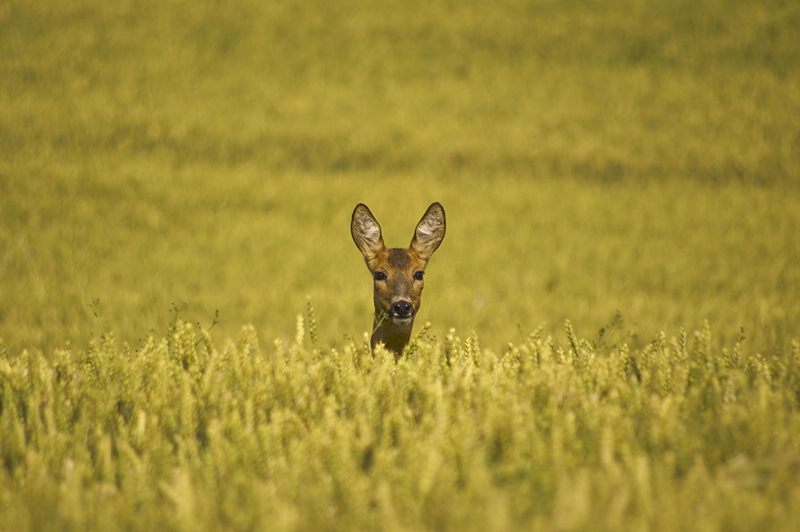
column 430, row 232
column 366, row 232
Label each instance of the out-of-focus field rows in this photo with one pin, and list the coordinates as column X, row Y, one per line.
column 593, row 157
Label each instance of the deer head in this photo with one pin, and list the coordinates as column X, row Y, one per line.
column 397, row 273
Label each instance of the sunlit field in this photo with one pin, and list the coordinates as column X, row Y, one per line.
column 608, row 334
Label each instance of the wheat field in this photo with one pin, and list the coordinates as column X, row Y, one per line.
column 608, row 338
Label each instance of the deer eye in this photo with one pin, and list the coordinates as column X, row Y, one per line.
column 379, row 276
column 418, row 276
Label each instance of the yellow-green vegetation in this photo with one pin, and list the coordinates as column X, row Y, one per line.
column 630, row 166
column 181, row 435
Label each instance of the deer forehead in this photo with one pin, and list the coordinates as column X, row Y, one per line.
column 399, row 260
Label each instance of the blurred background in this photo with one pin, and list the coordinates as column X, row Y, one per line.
column 629, row 165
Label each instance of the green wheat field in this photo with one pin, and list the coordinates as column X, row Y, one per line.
column 609, row 337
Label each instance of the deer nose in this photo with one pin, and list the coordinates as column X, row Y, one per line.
column 402, row 309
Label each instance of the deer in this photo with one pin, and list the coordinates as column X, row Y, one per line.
column 398, row 273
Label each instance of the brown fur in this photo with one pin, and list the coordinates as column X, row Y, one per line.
column 397, row 296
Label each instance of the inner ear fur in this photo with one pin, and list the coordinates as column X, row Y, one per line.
column 366, row 232
column 429, row 232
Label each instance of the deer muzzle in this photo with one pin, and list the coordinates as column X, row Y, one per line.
column 401, row 311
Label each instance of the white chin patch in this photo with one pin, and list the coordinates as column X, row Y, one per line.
column 401, row 321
